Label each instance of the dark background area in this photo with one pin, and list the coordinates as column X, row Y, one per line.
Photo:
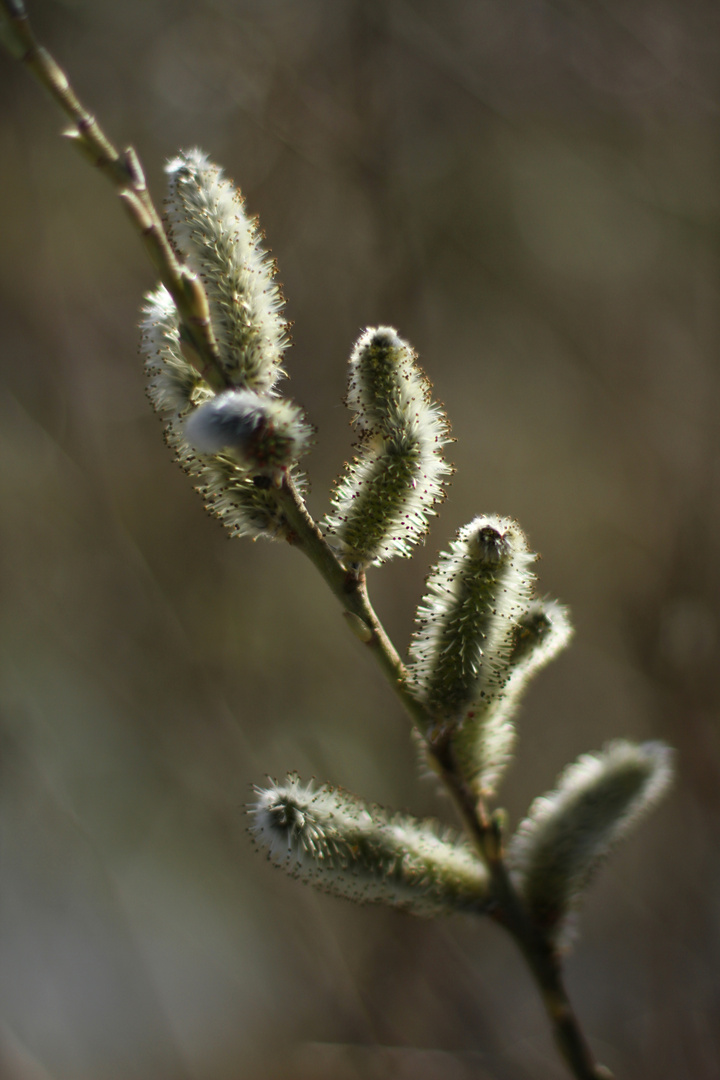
column 530, row 193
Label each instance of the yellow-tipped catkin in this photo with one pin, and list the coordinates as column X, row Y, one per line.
column 569, row 832
column 481, row 587
column 210, row 228
column 382, row 504
column 344, row 846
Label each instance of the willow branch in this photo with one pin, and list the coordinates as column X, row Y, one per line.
column 123, row 170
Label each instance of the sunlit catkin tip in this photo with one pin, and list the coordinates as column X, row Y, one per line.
column 570, row 831
column 266, row 434
column 387, row 388
column 209, row 226
column 475, row 596
column 543, row 631
column 343, row 846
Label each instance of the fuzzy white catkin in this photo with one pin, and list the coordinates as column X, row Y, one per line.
column 209, row 226
column 341, row 845
column 175, row 389
column 569, row 832
column 460, row 653
column 383, row 502
column 387, row 389
column 485, row 738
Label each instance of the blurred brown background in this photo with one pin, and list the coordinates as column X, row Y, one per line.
column 530, row 192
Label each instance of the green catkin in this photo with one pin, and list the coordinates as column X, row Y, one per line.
column 485, row 738
column 378, row 522
column 386, row 388
column 568, row 833
column 382, row 504
column 349, row 848
column 461, row 649
column 208, row 224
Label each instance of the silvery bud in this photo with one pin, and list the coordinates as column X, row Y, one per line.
column 267, row 435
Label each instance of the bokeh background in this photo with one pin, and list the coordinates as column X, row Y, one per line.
column 530, row 192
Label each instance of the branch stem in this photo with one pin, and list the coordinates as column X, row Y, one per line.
column 351, row 590
column 125, row 173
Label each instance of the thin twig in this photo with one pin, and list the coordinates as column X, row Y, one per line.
column 125, row 173
column 351, row 590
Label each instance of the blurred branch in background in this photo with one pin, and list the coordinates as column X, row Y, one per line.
column 532, row 194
